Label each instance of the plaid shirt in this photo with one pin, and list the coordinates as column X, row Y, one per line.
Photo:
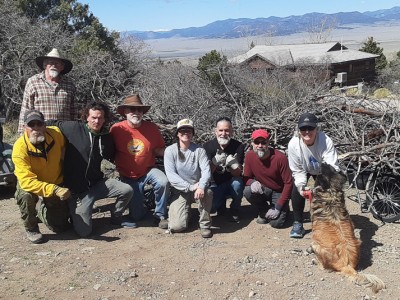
column 55, row 101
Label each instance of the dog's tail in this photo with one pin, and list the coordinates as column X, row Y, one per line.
column 367, row 280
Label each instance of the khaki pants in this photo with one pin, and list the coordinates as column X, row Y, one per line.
column 179, row 210
column 51, row 211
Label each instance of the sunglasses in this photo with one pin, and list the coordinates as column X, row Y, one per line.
column 33, row 124
column 260, row 142
column 307, row 128
column 185, row 130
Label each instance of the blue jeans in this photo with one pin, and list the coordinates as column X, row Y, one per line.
column 232, row 188
column 81, row 205
column 160, row 183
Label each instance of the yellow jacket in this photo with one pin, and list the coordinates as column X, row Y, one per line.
column 38, row 172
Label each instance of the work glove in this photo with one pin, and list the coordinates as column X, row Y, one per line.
column 232, row 162
column 62, row 193
column 220, row 158
column 256, row 187
column 272, row 213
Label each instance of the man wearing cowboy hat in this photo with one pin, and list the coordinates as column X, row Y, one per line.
column 49, row 91
column 138, row 143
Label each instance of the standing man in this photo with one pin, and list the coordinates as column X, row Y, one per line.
column 138, row 142
column 268, row 180
column 307, row 149
column 89, row 142
column 49, row 91
column 226, row 157
column 37, row 156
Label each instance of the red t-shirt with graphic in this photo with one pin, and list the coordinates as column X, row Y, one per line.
column 135, row 147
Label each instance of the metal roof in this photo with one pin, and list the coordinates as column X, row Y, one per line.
column 285, row 55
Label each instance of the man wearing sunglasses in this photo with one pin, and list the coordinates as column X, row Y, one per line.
column 268, row 180
column 307, row 149
column 38, row 160
column 138, row 143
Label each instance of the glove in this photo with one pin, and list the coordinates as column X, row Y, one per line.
column 232, row 162
column 62, row 193
column 272, row 213
column 219, row 159
column 256, row 187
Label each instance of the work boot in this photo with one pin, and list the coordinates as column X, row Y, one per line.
column 206, row 232
column 34, row 235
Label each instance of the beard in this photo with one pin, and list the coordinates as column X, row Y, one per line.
column 261, row 152
column 53, row 73
column 223, row 141
column 36, row 138
column 135, row 120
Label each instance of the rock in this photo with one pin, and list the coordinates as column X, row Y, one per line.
column 97, row 286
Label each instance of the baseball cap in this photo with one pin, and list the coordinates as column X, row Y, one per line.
column 184, row 123
column 259, row 133
column 33, row 115
column 307, row 119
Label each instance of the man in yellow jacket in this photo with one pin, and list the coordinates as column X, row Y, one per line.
column 37, row 156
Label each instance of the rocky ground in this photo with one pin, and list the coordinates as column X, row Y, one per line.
column 241, row 261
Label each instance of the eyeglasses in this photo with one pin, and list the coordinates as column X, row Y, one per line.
column 185, row 130
column 260, row 142
column 33, row 124
column 307, row 128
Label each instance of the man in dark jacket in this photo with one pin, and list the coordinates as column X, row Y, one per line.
column 89, row 142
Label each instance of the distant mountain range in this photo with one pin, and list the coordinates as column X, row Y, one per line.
column 235, row 28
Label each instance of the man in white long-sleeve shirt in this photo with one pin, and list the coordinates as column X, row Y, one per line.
column 308, row 148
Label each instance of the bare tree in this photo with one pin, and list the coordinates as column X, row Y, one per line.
column 320, row 30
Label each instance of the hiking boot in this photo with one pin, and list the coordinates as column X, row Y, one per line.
column 161, row 223
column 123, row 222
column 34, row 235
column 261, row 220
column 206, row 232
column 297, row 230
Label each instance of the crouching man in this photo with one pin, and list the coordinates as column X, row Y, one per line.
column 89, row 142
column 268, row 180
column 37, row 156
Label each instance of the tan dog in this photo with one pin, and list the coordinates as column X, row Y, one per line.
column 333, row 239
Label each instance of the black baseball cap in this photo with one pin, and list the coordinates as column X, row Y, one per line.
column 307, row 119
column 33, row 115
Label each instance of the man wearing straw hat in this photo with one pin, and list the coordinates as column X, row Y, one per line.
column 138, row 143
column 49, row 91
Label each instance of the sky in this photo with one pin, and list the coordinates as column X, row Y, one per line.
column 146, row 15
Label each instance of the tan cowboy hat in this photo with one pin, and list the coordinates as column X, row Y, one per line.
column 132, row 101
column 55, row 54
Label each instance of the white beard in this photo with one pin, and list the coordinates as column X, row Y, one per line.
column 135, row 120
column 223, row 141
column 36, row 139
column 53, row 73
column 260, row 153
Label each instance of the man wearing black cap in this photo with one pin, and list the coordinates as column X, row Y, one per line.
column 37, row 156
column 49, row 91
column 307, row 149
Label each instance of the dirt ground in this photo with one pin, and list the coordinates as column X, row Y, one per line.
column 241, row 261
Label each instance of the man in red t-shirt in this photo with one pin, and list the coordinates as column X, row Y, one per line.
column 137, row 144
column 268, row 180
